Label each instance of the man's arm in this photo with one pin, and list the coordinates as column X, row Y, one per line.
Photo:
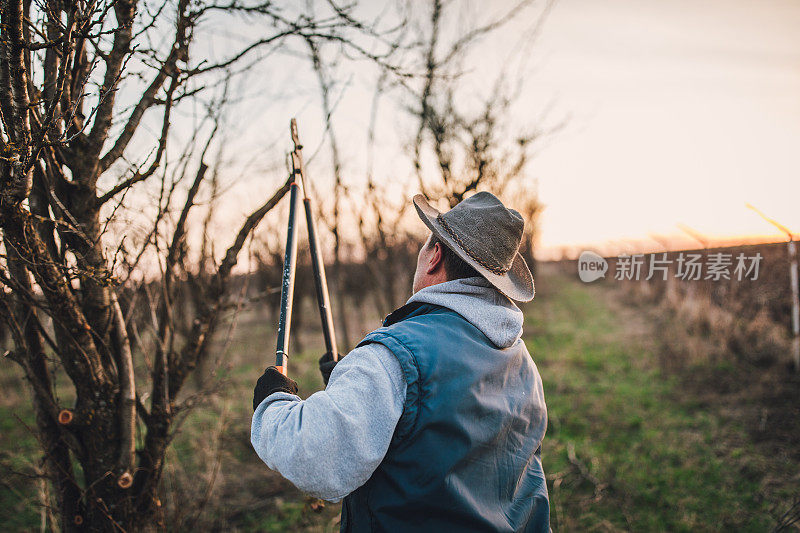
column 330, row 444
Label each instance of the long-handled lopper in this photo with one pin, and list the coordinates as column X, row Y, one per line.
column 289, row 264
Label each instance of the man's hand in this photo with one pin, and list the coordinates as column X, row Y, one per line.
column 326, row 364
column 272, row 381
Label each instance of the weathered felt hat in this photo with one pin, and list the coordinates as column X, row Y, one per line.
column 487, row 235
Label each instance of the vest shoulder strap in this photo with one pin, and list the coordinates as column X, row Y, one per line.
column 410, row 367
column 397, row 326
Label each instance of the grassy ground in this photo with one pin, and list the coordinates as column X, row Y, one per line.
column 18, row 448
column 628, row 447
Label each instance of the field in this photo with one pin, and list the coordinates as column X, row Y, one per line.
column 636, row 444
column 635, row 441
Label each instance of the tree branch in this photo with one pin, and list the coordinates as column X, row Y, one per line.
column 127, row 390
column 204, row 326
column 125, row 11
column 162, row 145
column 81, row 358
column 168, row 68
column 20, row 128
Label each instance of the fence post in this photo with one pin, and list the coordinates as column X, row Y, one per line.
column 795, row 305
column 793, row 277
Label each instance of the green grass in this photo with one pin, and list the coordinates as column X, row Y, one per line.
column 18, row 456
column 643, row 457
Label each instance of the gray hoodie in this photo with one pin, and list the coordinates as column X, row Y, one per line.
column 330, row 444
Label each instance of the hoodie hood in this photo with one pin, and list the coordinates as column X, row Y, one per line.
column 483, row 306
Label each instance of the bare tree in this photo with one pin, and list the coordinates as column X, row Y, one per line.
column 339, row 190
column 78, row 80
column 457, row 148
column 471, row 148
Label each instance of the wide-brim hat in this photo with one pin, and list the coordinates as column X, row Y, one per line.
column 487, row 236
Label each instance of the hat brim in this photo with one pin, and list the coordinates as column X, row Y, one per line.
column 517, row 283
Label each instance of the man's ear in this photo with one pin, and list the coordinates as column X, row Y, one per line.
column 437, row 259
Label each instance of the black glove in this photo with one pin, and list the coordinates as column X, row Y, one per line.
column 272, row 381
column 326, row 364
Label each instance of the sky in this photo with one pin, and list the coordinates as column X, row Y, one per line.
column 680, row 112
column 676, row 112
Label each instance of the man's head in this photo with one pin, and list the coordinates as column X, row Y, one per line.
column 436, row 263
column 483, row 234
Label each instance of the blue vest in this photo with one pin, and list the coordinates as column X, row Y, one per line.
column 465, row 455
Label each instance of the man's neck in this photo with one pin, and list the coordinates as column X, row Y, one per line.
column 430, row 281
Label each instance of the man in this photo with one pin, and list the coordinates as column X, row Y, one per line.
column 434, row 422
